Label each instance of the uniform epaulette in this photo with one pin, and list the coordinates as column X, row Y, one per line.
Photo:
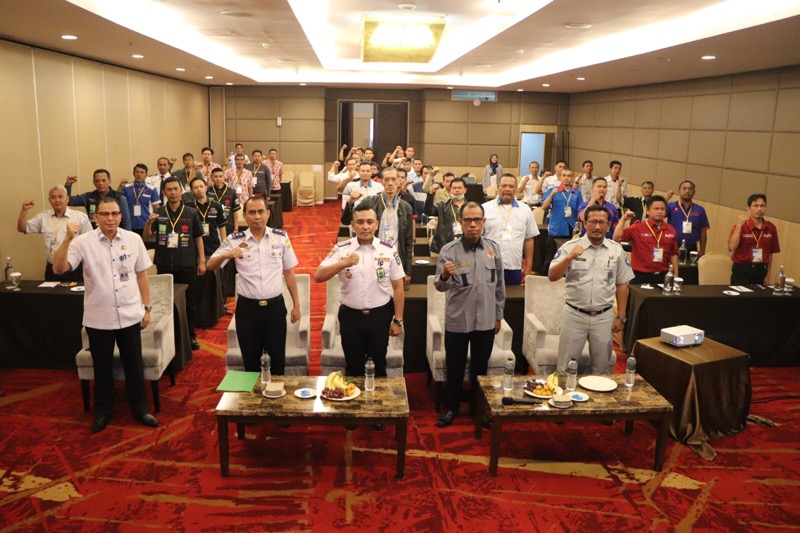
column 343, row 243
column 279, row 232
column 236, row 235
column 387, row 244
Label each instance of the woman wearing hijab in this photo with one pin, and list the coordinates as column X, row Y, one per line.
column 491, row 172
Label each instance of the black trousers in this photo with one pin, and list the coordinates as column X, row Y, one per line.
column 655, row 278
column 259, row 328
column 101, row 344
column 455, row 347
column 187, row 276
column 748, row 273
column 365, row 336
column 69, row 275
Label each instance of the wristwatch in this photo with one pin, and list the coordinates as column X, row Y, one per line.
column 148, row 307
column 623, row 319
column 398, row 321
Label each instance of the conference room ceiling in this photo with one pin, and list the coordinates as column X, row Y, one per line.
column 486, row 44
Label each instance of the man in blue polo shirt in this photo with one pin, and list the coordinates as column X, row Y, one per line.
column 565, row 202
column 599, row 189
column 689, row 219
column 142, row 198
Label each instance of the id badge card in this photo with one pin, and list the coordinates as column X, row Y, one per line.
column 123, row 274
column 205, row 229
column 457, row 229
column 758, row 255
column 568, row 211
column 507, row 234
column 172, row 240
column 238, row 189
column 381, row 272
column 687, row 227
column 388, row 235
column 53, row 246
column 137, row 210
column 658, row 255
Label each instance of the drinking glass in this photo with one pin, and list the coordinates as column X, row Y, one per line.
column 676, row 286
column 693, row 257
column 789, row 285
column 15, row 278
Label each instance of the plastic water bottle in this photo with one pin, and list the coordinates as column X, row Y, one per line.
column 369, row 375
column 7, row 273
column 683, row 253
column 630, row 372
column 508, row 376
column 669, row 280
column 266, row 375
column 780, row 282
column 572, row 374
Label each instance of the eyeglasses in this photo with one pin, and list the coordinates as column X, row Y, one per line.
column 596, row 222
column 106, row 214
column 472, row 220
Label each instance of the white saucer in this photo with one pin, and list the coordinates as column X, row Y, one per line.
column 731, row 293
column 553, row 404
column 305, row 394
column 79, row 288
column 578, row 396
column 274, row 397
column 422, row 262
column 597, row 383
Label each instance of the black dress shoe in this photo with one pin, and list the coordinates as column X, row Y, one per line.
column 149, row 420
column 487, row 422
column 377, row 427
column 446, row 419
column 195, row 344
column 99, row 424
column 228, row 312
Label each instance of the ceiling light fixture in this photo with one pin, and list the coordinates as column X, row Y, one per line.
column 69, row 37
column 229, row 83
column 407, row 7
column 578, row 26
column 236, row 14
column 209, row 77
column 137, row 56
column 581, row 78
column 180, row 69
column 545, row 85
column 708, row 58
column 401, row 40
column 302, row 84
column 520, row 90
column 450, row 88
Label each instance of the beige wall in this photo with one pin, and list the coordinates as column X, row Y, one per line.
column 66, row 116
column 731, row 135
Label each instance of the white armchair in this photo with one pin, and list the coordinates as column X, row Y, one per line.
column 158, row 344
column 434, row 343
column 332, row 356
column 298, row 344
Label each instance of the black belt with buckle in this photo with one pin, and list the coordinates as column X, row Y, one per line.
column 262, row 303
column 366, row 311
column 590, row 313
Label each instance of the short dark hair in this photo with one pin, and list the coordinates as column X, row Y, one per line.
column 614, row 162
column 507, row 175
column 107, row 200
column 101, row 171
column 254, row 198
column 587, row 161
column 257, row 151
column 362, row 163
column 598, row 178
column 370, row 149
column 458, row 180
column 217, row 169
column 653, row 199
column 201, row 178
column 350, row 159
column 388, row 169
column 273, row 150
column 595, row 208
column 188, row 154
column 753, row 197
column 448, row 174
column 238, row 144
column 561, row 161
column 207, row 148
column 171, row 179
column 238, row 156
column 140, row 165
column 363, row 206
column 687, row 181
column 468, row 205
column 164, row 158
column 648, row 182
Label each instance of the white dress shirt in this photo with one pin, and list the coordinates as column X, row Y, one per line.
column 509, row 226
column 53, row 229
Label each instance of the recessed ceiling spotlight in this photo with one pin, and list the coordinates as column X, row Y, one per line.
column 209, row 77
column 407, row 7
column 450, row 88
column 578, row 26
column 520, row 90
column 236, row 14
column 302, row 84
column 137, row 56
column 265, row 45
column 229, row 83
column 520, row 52
column 69, row 37
column 483, row 67
column 581, row 78
column 708, row 58
column 545, row 85
column 180, row 69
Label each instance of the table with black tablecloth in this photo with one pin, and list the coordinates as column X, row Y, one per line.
column 759, row 323
column 708, row 386
column 286, row 196
column 41, row 327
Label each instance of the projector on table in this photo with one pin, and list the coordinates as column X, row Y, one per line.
column 682, row 336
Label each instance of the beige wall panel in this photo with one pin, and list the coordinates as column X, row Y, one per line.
column 490, row 134
column 302, row 152
column 738, row 185
column 676, row 113
column 538, row 114
column 604, row 116
column 216, row 110
column 89, row 99
column 678, row 88
column 622, row 141
column 788, row 110
column 118, row 133
column 445, row 133
column 230, row 131
column 782, row 194
column 301, row 92
column 160, row 134
column 56, row 112
column 603, row 139
column 447, row 111
column 257, row 91
column 753, row 111
column 710, row 112
column 435, row 94
column 747, row 151
column 640, row 169
column 491, row 113
column 256, row 130
column 257, row 108
column 707, row 180
column 756, row 81
column 302, row 108
column 707, row 147
column 790, row 77
column 139, row 106
column 670, row 172
column 478, row 155
column 673, row 145
column 786, row 155
column 583, row 115
column 623, row 94
column 718, row 85
column 645, row 142
column 625, row 113
column 655, row 90
column 581, row 137
column 302, row 131
column 446, row 155
column 648, row 114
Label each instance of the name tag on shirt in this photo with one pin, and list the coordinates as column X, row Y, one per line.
column 462, row 264
column 172, row 240
column 687, row 227
column 758, row 255
column 507, row 234
column 658, row 255
column 381, row 272
column 53, row 246
column 568, row 211
column 457, row 229
column 137, row 210
column 205, row 229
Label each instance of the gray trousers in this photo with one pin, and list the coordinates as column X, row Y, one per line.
column 576, row 328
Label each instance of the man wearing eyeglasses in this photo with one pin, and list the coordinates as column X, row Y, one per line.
column 470, row 270
column 102, row 183
column 116, row 305
column 597, row 271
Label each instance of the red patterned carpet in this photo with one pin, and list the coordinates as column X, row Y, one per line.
column 56, row 476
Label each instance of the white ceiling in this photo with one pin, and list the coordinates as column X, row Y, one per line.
column 504, row 44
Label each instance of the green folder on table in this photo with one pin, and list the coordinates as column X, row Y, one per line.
column 237, row 381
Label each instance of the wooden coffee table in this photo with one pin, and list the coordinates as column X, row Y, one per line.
column 643, row 402
column 387, row 404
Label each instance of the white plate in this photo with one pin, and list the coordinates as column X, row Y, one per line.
column 730, row 293
column 597, row 383
column 274, row 397
column 530, row 393
column 578, row 396
column 552, row 403
column 79, row 288
column 305, row 394
column 422, row 262
column 356, row 394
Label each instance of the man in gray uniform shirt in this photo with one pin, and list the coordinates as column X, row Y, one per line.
column 470, row 269
column 597, row 271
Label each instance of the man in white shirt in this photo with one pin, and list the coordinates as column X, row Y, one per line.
column 584, row 182
column 527, row 185
column 116, row 306
column 364, row 187
column 616, row 185
column 53, row 227
column 550, row 180
column 343, row 178
column 238, row 149
column 156, row 181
